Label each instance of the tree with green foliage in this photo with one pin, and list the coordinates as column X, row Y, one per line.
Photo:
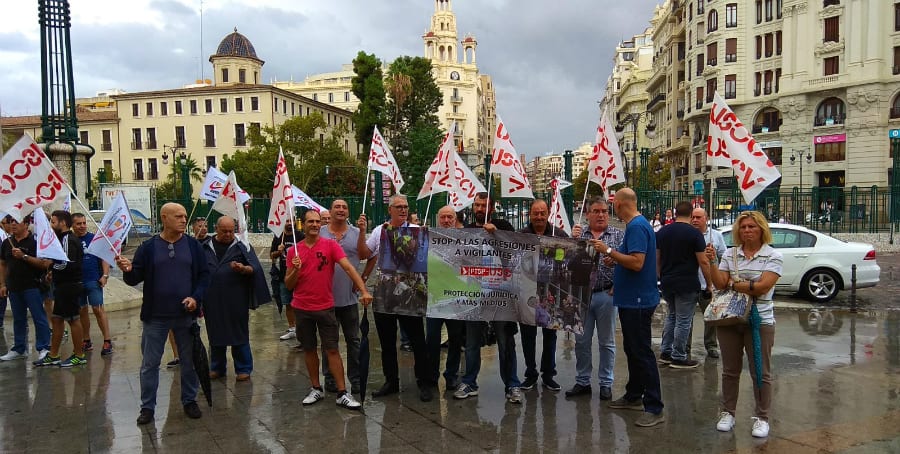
column 414, row 130
column 170, row 189
column 368, row 86
column 308, row 148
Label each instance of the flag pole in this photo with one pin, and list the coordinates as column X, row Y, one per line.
column 193, row 208
column 587, row 183
column 427, row 208
column 366, row 189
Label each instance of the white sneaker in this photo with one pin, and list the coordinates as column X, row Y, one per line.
column 314, row 396
column 760, row 428
column 291, row 333
column 12, row 354
column 347, row 401
column 726, row 422
column 42, row 354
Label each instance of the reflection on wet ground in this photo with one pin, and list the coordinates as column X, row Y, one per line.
column 837, row 390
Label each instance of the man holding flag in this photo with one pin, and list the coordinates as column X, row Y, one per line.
column 95, row 276
column 67, row 289
column 20, row 272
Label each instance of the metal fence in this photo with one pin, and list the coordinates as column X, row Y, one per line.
column 830, row 210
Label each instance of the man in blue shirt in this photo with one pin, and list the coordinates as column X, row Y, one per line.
column 173, row 268
column 635, row 295
column 95, row 275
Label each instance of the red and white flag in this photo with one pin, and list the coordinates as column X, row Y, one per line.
column 282, row 209
column 731, row 145
column 28, row 179
column 437, row 177
column 214, row 182
column 465, row 185
column 229, row 203
column 382, row 160
column 558, row 217
column 113, row 229
column 449, row 173
column 303, row 200
column 48, row 245
column 605, row 164
column 505, row 162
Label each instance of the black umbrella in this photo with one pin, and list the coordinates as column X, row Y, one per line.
column 201, row 363
column 276, row 294
column 363, row 354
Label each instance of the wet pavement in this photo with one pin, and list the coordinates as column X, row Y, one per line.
column 837, row 389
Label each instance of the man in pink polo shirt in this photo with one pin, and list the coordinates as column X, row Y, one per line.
column 310, row 270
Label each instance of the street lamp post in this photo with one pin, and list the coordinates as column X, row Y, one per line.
column 649, row 131
column 800, row 156
column 186, row 189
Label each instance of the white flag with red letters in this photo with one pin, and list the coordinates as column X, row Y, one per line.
column 48, row 245
column 113, row 230
column 28, row 179
column 303, row 200
column 230, row 205
column 605, row 164
column 438, row 174
column 282, row 209
column 731, row 145
column 382, row 160
column 506, row 163
column 214, row 182
column 559, row 218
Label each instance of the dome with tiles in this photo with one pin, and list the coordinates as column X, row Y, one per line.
column 236, row 45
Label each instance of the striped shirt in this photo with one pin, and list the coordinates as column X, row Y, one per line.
column 751, row 269
column 613, row 238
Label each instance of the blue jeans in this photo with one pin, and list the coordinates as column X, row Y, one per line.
column 93, row 294
column 474, row 335
column 433, row 343
column 678, row 323
column 243, row 359
column 22, row 302
column 506, row 352
column 153, row 342
column 643, row 375
column 602, row 315
column 529, row 351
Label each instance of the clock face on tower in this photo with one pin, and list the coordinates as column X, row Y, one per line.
column 454, row 75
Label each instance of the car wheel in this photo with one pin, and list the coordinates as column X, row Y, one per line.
column 820, row 285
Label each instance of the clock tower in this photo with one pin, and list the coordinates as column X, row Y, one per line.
column 468, row 95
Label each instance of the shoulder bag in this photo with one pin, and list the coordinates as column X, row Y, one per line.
column 729, row 307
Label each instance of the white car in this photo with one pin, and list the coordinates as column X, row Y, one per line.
column 818, row 266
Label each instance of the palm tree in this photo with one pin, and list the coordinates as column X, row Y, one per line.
column 196, row 173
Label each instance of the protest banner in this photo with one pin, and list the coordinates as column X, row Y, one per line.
column 403, row 264
column 536, row 280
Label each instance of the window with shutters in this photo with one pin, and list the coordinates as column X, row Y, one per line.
column 832, row 29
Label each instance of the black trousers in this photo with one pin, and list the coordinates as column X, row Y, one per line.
column 386, row 324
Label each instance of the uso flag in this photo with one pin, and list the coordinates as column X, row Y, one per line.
column 107, row 242
column 28, row 179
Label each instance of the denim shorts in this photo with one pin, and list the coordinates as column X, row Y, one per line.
column 93, row 294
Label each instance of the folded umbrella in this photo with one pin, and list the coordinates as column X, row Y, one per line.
column 201, row 363
column 363, row 354
column 755, row 321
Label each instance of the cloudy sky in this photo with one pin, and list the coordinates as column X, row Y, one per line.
column 549, row 60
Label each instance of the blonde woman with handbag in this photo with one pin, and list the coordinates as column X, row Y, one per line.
column 759, row 267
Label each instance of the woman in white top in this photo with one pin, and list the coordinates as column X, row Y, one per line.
column 758, row 268
column 656, row 223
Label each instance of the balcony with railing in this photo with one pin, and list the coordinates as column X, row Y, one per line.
column 106, row 146
column 895, row 112
column 829, row 121
column 137, row 176
column 240, row 141
column 764, row 128
column 209, row 142
column 712, row 62
column 699, row 104
column 456, row 115
column 730, row 58
column 137, row 145
column 896, row 69
column 681, row 171
column 456, row 99
column 154, row 174
column 833, row 79
column 656, row 100
column 151, row 144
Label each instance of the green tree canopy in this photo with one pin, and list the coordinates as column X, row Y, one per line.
column 308, row 148
column 368, row 86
